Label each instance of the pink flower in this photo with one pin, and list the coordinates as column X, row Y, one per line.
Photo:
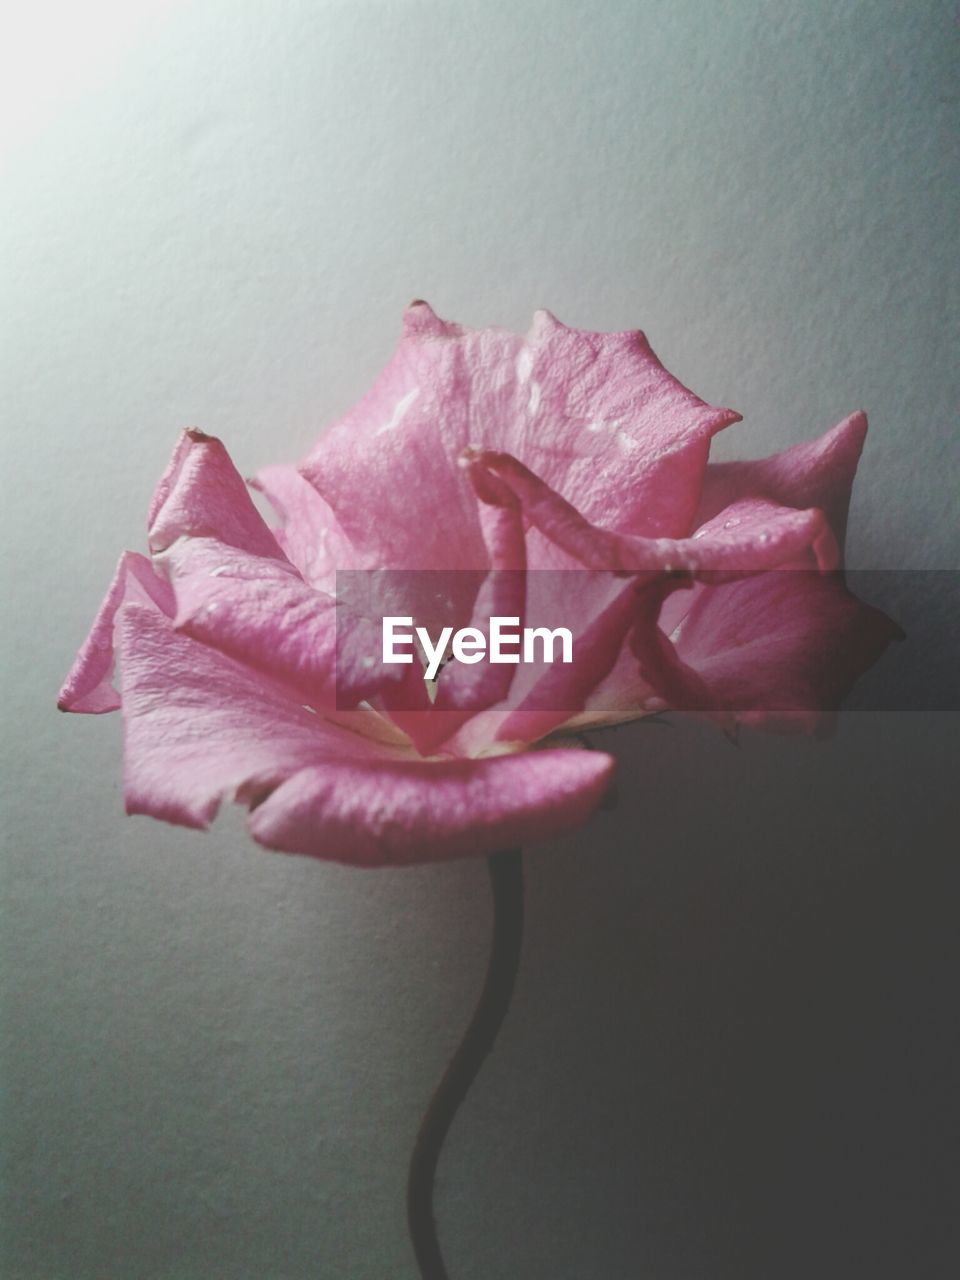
column 245, row 672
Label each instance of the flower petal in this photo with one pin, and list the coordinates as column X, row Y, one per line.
column 199, row 727
column 88, row 684
column 464, row 690
column 817, row 473
column 776, row 650
column 259, row 610
column 503, row 593
column 563, row 690
column 310, row 534
column 749, row 535
column 615, row 432
column 202, row 495
column 596, row 414
column 393, row 813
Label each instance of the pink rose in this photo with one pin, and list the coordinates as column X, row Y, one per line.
column 560, row 475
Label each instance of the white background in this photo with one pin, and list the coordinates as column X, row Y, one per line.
column 729, row 1051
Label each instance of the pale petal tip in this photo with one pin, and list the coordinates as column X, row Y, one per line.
column 544, row 323
column 470, row 455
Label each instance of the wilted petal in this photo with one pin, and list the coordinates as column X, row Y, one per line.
column 88, row 684
column 202, row 495
column 200, row 728
column 259, row 610
column 402, row 812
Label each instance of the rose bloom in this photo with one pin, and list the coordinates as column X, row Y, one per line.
column 559, row 477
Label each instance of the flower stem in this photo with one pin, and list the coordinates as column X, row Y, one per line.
column 506, row 879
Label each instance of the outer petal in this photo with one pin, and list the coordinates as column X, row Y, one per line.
column 199, row 727
column 817, row 473
column 396, row 813
column 776, row 650
column 396, row 452
column 613, row 430
column 88, row 684
column 202, row 495
column 259, row 610
column 596, row 414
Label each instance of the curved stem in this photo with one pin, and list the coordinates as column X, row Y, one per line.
column 506, row 879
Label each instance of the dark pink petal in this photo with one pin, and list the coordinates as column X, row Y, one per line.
column 817, row 473
column 407, row 704
column 392, row 813
column 200, row 728
column 503, row 593
column 748, row 536
column 202, row 495
column 777, row 650
column 620, row 696
column 674, row 684
column 625, row 693
column 88, row 685
column 562, row 691
column 259, row 610
column 596, row 608
column 596, row 415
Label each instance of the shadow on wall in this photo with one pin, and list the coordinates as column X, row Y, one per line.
column 922, row 672
column 734, row 1040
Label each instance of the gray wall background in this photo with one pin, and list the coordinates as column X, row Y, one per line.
column 731, row 1051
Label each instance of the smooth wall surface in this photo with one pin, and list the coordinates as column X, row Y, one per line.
column 731, row 1050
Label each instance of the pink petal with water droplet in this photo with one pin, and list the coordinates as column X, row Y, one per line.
column 393, row 813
